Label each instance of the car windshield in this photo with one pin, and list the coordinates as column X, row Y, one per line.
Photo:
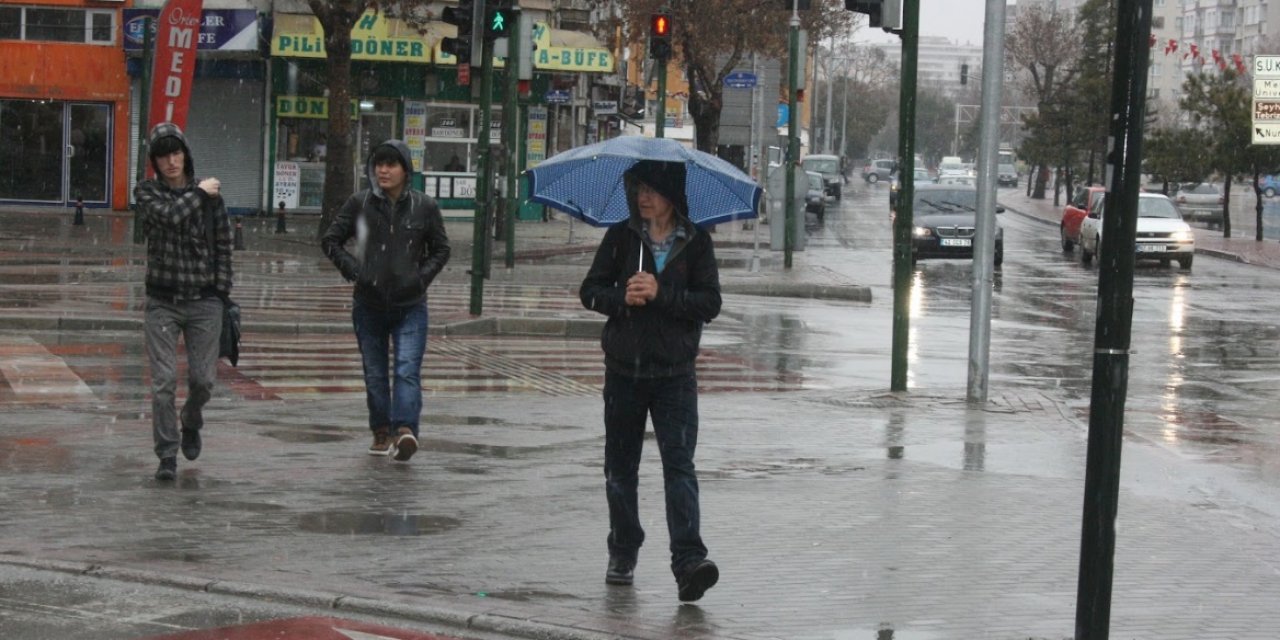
column 1202, row 188
column 951, row 166
column 821, row 165
column 1157, row 208
column 815, row 182
column 1007, row 168
column 945, row 201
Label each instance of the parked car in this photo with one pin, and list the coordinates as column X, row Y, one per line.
column 966, row 181
column 951, row 166
column 815, row 199
column 1085, row 200
column 1006, row 175
column 829, row 167
column 1162, row 233
column 1201, row 202
column 895, row 185
column 1270, row 185
column 945, row 218
column 877, row 170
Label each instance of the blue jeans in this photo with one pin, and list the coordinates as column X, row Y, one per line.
column 673, row 404
column 405, row 331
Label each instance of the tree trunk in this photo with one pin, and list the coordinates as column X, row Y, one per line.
column 1226, row 207
column 706, row 119
column 1257, row 195
column 1042, row 178
column 338, row 177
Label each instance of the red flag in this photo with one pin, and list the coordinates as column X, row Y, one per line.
column 1235, row 57
column 174, row 66
column 1217, row 57
column 1151, row 40
column 1171, row 47
column 1195, row 52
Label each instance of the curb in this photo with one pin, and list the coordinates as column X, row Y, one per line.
column 492, row 326
column 854, row 293
column 451, row 618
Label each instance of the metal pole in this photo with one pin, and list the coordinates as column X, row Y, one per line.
column 660, row 123
column 1114, row 321
column 512, row 139
column 144, row 108
column 793, row 135
column 760, row 162
column 813, row 99
column 484, row 181
column 827, row 129
column 844, row 113
column 985, row 237
column 902, row 221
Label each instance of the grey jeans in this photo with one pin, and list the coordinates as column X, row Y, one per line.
column 200, row 323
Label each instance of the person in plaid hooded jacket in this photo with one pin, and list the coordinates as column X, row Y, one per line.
column 188, row 281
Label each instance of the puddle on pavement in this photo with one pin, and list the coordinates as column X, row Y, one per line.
column 471, row 448
column 26, row 454
column 470, row 471
column 467, row 420
column 402, row 524
column 525, row 595
column 293, row 436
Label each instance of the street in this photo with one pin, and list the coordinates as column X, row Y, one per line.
column 835, row 509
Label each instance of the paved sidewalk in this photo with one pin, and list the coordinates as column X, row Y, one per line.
column 838, row 513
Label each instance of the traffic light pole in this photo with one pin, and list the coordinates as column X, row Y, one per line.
column 1114, row 322
column 660, row 117
column 148, row 24
column 793, row 135
column 902, row 221
column 511, row 111
column 484, row 183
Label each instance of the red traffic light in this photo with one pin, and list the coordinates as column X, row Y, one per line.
column 660, row 25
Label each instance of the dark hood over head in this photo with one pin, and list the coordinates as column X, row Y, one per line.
column 667, row 178
column 406, row 160
column 169, row 129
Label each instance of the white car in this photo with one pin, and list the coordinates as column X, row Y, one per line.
column 1162, row 233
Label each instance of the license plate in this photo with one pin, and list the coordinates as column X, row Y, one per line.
column 957, row 242
column 1150, row 248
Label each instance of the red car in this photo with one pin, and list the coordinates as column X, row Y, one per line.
column 1086, row 199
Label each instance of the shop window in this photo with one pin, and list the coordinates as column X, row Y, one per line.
column 55, row 25
column 100, row 27
column 47, row 24
column 10, row 23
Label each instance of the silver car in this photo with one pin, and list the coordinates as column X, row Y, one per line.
column 1201, row 202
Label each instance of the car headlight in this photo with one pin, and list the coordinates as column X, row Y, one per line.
column 1183, row 236
column 922, row 232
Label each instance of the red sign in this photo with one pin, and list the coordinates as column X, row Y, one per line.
column 304, row 629
column 174, row 66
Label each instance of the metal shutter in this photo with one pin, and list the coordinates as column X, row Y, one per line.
column 224, row 128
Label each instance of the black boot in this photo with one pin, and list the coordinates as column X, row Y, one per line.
column 168, row 471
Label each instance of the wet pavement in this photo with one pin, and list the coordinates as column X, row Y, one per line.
column 836, row 510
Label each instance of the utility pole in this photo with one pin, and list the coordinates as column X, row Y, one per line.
column 484, row 182
column 511, row 141
column 1114, row 322
column 660, row 51
column 985, row 233
column 828, row 131
column 902, row 221
column 793, row 133
column 148, row 26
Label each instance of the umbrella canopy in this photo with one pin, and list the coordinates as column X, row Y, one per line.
column 587, row 181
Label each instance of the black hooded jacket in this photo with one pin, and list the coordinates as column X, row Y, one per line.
column 661, row 338
column 400, row 246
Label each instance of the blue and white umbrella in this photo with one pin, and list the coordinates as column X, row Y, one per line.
column 587, row 181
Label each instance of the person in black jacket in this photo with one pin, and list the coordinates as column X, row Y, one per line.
column 188, row 279
column 655, row 277
column 400, row 247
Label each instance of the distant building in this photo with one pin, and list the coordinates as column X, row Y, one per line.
column 939, row 62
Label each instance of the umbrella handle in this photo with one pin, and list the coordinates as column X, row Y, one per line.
column 640, row 267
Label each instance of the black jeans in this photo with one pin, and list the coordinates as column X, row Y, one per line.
column 673, row 404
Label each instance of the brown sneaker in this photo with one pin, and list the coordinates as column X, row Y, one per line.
column 381, row 442
column 406, row 445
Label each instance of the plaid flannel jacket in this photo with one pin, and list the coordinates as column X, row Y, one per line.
column 180, row 265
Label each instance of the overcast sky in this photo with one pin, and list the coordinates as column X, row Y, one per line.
column 961, row 21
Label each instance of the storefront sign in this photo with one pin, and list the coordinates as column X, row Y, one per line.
column 448, row 132
column 415, row 131
column 535, row 150
column 174, row 65
column 554, row 58
column 605, row 107
column 308, row 107
column 559, row 96
column 220, row 29
column 288, row 182
column 301, row 36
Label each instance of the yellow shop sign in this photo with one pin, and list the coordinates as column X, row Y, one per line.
column 308, row 107
column 568, row 51
column 374, row 37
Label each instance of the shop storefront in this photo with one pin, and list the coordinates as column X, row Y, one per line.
column 225, row 123
column 63, row 106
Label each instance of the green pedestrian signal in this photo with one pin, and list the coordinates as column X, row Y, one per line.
column 498, row 23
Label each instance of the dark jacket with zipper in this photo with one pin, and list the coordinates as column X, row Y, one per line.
column 400, row 247
column 660, row 338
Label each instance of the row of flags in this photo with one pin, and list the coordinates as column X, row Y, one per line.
column 1193, row 52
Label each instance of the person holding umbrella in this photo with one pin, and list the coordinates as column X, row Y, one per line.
column 655, row 277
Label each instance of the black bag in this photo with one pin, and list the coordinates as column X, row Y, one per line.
column 229, row 343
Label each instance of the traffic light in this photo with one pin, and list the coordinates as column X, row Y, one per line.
column 462, row 17
column 660, row 36
column 500, row 20
column 964, row 73
column 886, row 14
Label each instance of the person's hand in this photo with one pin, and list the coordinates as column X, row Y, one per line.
column 210, row 186
column 641, row 288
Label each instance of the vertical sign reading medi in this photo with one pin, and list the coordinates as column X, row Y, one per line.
column 177, row 36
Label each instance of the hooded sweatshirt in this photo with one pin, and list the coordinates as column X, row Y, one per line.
column 400, row 247
column 187, row 230
column 662, row 337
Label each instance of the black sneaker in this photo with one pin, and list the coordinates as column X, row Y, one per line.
column 191, row 443
column 621, row 571
column 168, row 470
column 697, row 580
